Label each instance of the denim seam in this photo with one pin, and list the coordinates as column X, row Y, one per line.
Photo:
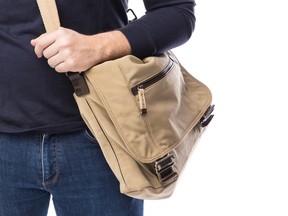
column 52, row 181
column 42, row 160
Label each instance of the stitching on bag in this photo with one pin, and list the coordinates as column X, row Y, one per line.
column 104, row 101
column 144, row 118
column 206, row 104
column 147, row 119
column 110, row 113
column 128, row 84
column 161, row 81
column 114, row 120
column 104, row 134
column 123, row 68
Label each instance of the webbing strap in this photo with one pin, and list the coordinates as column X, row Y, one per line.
column 50, row 17
column 49, row 14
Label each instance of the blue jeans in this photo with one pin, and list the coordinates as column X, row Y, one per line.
column 68, row 166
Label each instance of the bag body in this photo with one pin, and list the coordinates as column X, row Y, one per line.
column 146, row 115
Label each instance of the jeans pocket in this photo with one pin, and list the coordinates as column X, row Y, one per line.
column 90, row 136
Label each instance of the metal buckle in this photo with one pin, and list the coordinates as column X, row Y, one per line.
column 165, row 170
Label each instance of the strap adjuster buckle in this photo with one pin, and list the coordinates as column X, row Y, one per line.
column 207, row 117
column 165, row 170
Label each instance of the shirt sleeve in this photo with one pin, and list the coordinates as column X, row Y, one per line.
column 165, row 25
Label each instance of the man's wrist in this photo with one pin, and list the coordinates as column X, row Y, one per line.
column 114, row 45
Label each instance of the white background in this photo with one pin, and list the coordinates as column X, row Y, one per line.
column 239, row 49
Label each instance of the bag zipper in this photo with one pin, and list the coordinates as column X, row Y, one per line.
column 140, row 88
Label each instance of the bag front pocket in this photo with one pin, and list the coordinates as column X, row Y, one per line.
column 140, row 88
column 159, row 100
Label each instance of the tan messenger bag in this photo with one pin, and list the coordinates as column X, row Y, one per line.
column 146, row 115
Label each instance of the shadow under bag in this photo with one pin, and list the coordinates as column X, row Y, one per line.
column 146, row 114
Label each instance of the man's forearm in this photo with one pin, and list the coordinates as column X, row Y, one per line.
column 67, row 50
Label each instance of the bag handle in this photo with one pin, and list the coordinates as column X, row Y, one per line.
column 50, row 17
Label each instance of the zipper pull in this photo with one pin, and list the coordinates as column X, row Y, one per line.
column 142, row 101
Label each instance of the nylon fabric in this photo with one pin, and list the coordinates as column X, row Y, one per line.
column 146, row 152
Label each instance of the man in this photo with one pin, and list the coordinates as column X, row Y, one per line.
column 45, row 147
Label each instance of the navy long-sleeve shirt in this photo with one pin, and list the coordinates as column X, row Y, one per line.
column 33, row 97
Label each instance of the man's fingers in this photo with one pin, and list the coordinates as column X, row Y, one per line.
column 42, row 42
column 61, row 68
column 50, row 51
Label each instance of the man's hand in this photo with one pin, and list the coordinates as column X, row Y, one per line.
column 67, row 50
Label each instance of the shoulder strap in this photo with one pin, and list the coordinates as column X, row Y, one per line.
column 49, row 14
column 50, row 17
